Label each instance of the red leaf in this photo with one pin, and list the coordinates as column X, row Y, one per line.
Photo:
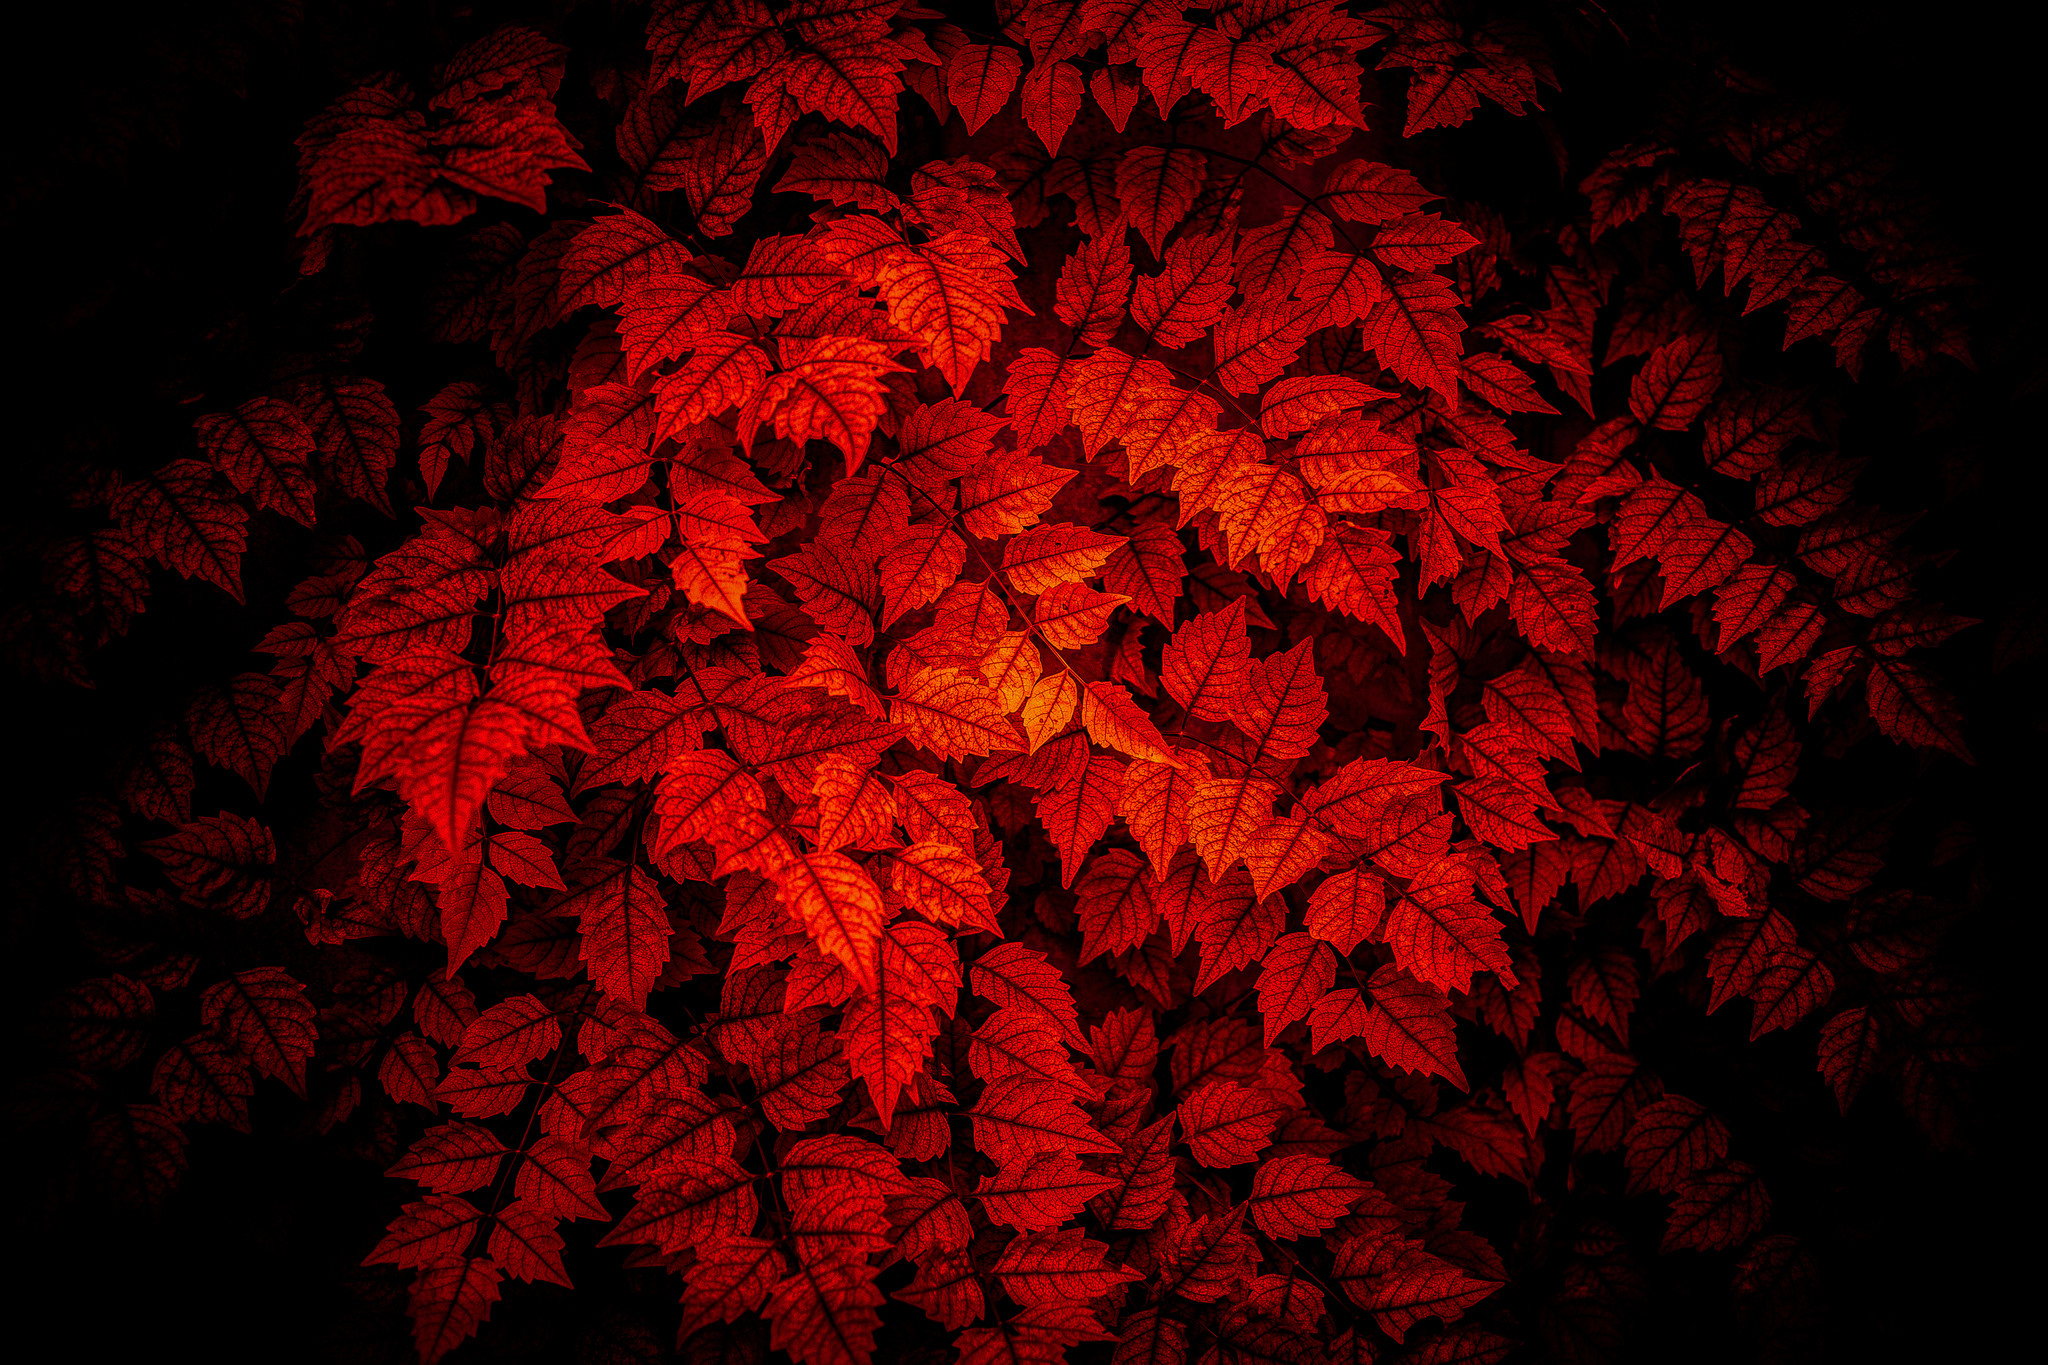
column 1051, row 99
column 526, row 1245
column 1299, row 1195
column 1051, row 1267
column 839, row 906
column 1154, row 805
column 1367, row 192
column 451, row 1158
column 1407, row 1024
column 355, row 432
column 1017, row 978
column 185, row 520
column 728, row 1276
column 1207, row 664
column 950, row 294
column 625, row 928
column 1115, row 721
column 1440, row 933
column 979, row 79
column 1694, row 551
column 1677, row 382
column 1669, row 1142
column 221, row 862
column 1421, row 241
column 265, row 449
column 952, row 713
column 1020, row 1115
column 203, row 1080
column 264, row 1015
column 1226, row 1124
column 1039, row 1193
column 1156, row 186
column 1400, row 1283
column 451, row 1299
column 1292, row 977
column 1044, row 556
column 509, row 1034
column 1190, row 295
column 1719, row 1208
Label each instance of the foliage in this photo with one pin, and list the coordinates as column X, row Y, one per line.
column 1009, row 668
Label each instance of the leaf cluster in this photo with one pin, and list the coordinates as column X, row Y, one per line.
column 1016, row 687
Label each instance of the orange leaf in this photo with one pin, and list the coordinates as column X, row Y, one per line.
column 832, row 392
column 1223, row 815
column 950, row 294
column 953, row 714
column 940, row 881
column 1046, row 555
column 1155, row 806
column 839, row 906
column 855, row 806
column 1073, row 615
column 1207, row 664
column 1114, row 721
column 1006, row 493
column 1050, row 707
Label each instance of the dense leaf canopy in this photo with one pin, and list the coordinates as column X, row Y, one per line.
column 1092, row 679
